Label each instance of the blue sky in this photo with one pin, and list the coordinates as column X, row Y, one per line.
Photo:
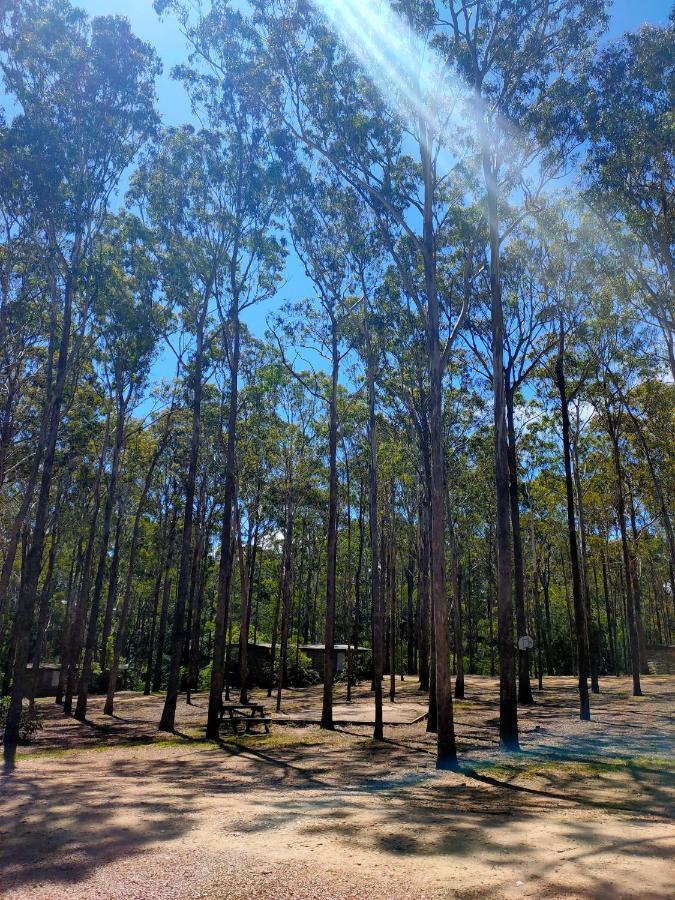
column 164, row 35
column 627, row 15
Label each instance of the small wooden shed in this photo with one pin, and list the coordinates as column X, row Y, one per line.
column 317, row 653
column 259, row 662
column 48, row 678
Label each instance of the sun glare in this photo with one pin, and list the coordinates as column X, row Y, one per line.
column 406, row 70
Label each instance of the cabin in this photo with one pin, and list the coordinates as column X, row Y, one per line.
column 48, row 679
column 317, row 654
column 259, row 662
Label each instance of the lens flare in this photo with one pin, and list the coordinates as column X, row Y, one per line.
column 423, row 89
column 402, row 65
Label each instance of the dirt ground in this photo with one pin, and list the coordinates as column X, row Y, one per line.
column 111, row 809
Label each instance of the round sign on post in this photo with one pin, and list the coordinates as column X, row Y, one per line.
column 525, row 642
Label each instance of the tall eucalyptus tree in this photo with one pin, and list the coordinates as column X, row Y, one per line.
column 85, row 97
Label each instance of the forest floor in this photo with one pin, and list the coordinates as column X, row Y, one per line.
column 110, row 809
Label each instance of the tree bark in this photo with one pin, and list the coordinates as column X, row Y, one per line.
column 113, row 579
column 508, row 703
column 167, row 721
column 410, row 614
column 331, row 544
column 29, row 586
column 579, row 605
column 111, row 499
column 226, row 542
column 456, row 609
column 446, row 750
column 608, row 615
column 73, row 589
column 591, row 631
column 423, row 594
column 633, row 641
column 76, row 635
column 120, row 638
column 286, row 591
column 524, row 688
column 373, row 530
column 164, row 611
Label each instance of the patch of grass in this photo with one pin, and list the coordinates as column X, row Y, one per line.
column 372, row 744
column 192, row 737
column 276, row 740
column 573, row 767
column 145, row 741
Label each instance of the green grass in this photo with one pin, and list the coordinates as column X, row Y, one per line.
column 191, row 738
column 565, row 768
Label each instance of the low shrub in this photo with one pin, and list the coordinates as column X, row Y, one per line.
column 28, row 725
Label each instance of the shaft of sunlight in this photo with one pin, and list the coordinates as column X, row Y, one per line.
column 417, row 82
column 407, row 71
column 404, row 68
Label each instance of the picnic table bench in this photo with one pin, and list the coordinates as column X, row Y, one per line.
column 246, row 714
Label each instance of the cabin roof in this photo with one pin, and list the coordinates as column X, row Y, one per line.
column 263, row 644
column 344, row 647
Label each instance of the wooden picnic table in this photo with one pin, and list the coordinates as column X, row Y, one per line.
column 247, row 714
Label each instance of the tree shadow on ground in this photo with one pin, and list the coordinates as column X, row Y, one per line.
column 87, row 810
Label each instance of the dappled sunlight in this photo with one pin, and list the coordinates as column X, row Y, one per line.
column 553, row 815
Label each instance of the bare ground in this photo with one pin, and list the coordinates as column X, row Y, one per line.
column 111, row 809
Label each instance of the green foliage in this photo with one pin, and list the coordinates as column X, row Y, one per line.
column 30, row 721
column 302, row 674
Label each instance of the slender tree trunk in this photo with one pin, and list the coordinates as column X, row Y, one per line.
column 29, row 490
column 245, row 582
column 275, row 634
column 591, row 631
column 286, row 591
column 446, row 753
column 157, row 675
column 392, row 604
column 113, row 579
column 508, row 702
column 191, row 646
column 410, row 615
column 195, row 643
column 111, row 499
column 456, row 607
column 423, row 594
column 73, row 588
column 535, row 596
column 634, row 645
column 491, row 593
column 331, row 545
column 658, row 494
column 120, row 638
column 14, row 536
column 432, row 712
column 579, row 606
column 226, row 542
column 9, row 662
column 43, row 618
column 524, row 687
column 163, row 550
column 76, row 635
column 611, row 636
column 356, row 620
column 348, row 583
column 637, row 590
column 545, row 580
column 29, row 586
column 168, row 719
column 373, row 530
